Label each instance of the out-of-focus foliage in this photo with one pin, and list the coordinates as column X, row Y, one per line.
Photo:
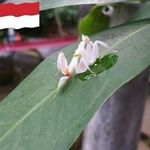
column 94, row 22
column 143, row 12
column 68, row 15
column 47, row 4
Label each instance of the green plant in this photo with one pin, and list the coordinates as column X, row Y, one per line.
column 33, row 117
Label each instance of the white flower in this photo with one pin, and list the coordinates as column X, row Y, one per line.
column 85, row 55
column 90, row 51
column 76, row 66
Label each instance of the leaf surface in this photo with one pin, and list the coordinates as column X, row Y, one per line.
column 143, row 12
column 47, row 4
column 32, row 117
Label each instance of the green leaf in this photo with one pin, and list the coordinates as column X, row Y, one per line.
column 47, row 4
column 33, row 117
column 102, row 64
column 143, row 12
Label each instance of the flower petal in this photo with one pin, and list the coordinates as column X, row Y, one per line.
column 94, row 54
column 96, row 50
column 85, row 39
column 81, row 49
column 88, row 51
column 62, row 64
column 81, row 46
column 75, row 59
column 62, row 82
column 82, row 66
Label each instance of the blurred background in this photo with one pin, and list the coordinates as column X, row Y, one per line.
column 22, row 50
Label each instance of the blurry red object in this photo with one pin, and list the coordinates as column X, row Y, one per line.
column 36, row 44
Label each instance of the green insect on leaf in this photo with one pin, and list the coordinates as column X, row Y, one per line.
column 102, row 64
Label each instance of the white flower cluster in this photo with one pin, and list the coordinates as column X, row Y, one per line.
column 84, row 56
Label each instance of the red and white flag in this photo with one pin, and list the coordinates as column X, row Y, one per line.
column 19, row 15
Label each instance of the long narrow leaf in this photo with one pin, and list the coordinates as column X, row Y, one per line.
column 47, row 4
column 32, row 117
column 143, row 12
